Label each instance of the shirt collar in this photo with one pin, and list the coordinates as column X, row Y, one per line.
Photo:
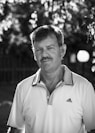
column 67, row 78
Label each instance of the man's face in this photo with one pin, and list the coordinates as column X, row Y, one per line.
column 48, row 54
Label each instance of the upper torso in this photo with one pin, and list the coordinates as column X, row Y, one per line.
column 40, row 112
column 61, row 113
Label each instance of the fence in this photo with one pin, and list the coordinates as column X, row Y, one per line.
column 13, row 69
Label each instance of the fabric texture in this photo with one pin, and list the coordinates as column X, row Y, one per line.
column 69, row 107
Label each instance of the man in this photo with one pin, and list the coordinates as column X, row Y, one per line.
column 54, row 99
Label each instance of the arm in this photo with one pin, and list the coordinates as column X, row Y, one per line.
column 13, row 130
column 89, row 107
column 92, row 131
column 16, row 115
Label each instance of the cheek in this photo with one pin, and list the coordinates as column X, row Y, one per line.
column 58, row 57
column 36, row 56
column 58, row 54
column 37, row 59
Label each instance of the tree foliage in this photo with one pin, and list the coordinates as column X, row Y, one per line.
column 18, row 18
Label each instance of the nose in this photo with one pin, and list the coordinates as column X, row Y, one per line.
column 44, row 53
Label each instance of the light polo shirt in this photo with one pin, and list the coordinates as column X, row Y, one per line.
column 69, row 107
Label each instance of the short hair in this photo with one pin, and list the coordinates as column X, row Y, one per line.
column 44, row 31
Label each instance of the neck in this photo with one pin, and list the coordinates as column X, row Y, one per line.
column 48, row 77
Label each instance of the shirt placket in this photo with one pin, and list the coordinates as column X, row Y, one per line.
column 49, row 97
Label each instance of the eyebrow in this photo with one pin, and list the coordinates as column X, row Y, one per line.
column 50, row 45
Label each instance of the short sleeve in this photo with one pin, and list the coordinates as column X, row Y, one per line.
column 16, row 114
column 88, row 104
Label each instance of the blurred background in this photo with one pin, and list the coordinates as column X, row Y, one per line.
column 18, row 18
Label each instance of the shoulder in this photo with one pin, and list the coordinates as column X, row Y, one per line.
column 81, row 83
column 82, row 86
column 27, row 81
column 25, row 84
column 78, row 79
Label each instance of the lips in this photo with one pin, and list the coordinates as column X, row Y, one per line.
column 45, row 60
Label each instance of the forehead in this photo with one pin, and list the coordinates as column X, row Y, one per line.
column 49, row 40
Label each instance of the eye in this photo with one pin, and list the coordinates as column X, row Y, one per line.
column 38, row 50
column 50, row 47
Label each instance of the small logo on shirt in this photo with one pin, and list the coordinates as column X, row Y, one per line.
column 69, row 100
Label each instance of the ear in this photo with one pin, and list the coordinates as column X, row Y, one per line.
column 63, row 50
column 35, row 58
column 34, row 55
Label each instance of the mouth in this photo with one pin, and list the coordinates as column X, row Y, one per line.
column 45, row 60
